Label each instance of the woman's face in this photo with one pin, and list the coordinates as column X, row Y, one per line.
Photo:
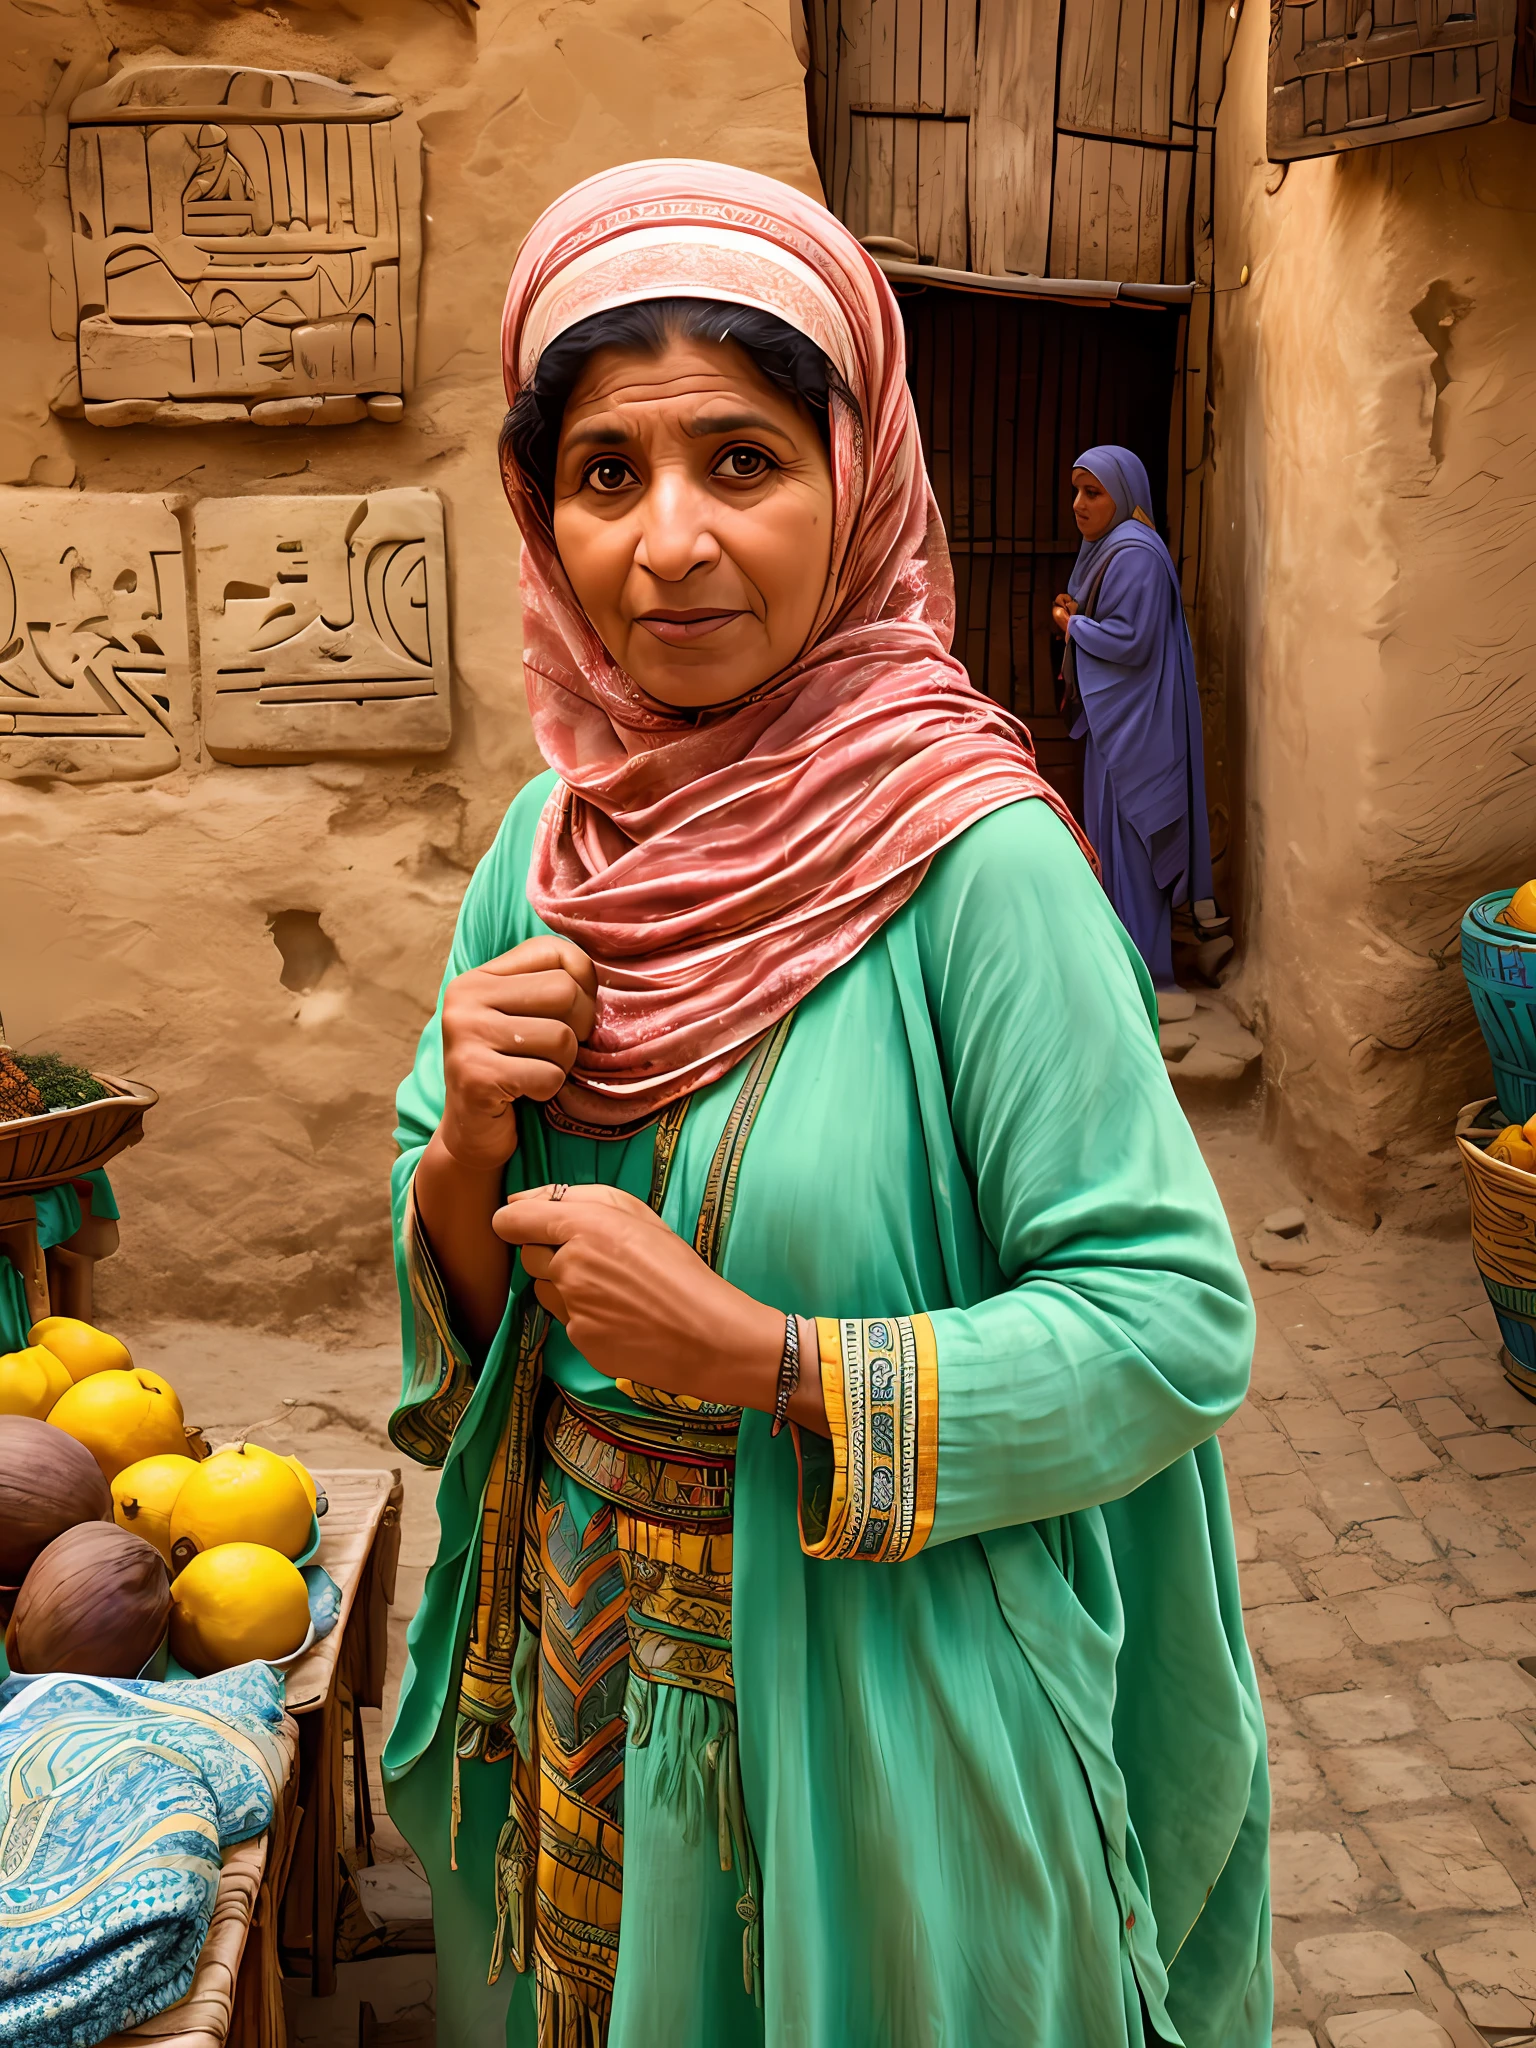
column 693, row 516
column 1092, row 506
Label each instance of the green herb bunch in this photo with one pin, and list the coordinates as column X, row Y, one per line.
column 60, row 1083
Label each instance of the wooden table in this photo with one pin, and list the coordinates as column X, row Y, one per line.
column 56, row 1279
column 279, row 1896
column 18, row 1243
column 360, row 1548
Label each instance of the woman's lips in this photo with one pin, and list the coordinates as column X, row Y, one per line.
column 677, row 629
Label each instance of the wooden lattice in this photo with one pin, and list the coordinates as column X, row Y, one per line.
column 1345, row 74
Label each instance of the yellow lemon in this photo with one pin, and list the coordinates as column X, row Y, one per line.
column 1515, row 1149
column 241, row 1495
column 31, row 1381
column 83, row 1348
column 309, row 1485
column 144, row 1494
column 1522, row 908
column 120, row 1417
column 170, row 1393
column 234, row 1603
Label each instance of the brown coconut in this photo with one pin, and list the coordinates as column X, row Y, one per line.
column 48, row 1483
column 97, row 1600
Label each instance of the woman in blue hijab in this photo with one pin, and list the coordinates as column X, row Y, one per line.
column 1130, row 678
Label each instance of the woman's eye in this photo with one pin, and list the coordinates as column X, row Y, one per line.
column 609, row 474
column 744, row 465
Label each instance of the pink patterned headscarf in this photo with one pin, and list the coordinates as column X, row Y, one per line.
column 716, row 866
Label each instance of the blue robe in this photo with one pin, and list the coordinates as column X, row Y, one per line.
column 1138, row 712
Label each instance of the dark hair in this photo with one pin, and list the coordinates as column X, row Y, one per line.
column 785, row 358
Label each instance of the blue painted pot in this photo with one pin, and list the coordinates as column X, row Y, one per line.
column 1499, row 962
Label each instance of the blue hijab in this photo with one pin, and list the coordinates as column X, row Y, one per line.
column 1124, row 476
column 1135, row 675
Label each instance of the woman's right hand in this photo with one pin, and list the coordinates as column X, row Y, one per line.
column 510, row 1029
column 1063, row 611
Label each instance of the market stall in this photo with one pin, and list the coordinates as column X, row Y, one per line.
column 190, row 1634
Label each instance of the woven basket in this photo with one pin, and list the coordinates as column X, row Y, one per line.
column 1499, row 962
column 40, row 1152
column 1503, row 1203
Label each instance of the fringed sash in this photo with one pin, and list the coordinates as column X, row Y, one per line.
column 574, row 1631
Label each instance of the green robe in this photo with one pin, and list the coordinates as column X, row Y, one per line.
column 1002, row 1784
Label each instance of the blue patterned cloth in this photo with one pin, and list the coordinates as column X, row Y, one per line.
column 116, row 1798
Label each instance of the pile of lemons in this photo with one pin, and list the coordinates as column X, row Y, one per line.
column 228, row 1526
column 1515, row 1144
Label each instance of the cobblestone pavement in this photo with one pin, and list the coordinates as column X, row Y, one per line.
column 1383, row 1481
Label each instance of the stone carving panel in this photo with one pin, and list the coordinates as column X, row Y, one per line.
column 94, row 679
column 246, row 247
column 323, row 625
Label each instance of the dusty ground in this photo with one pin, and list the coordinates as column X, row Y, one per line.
column 1384, row 1482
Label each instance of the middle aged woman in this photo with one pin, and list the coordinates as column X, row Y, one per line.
column 788, row 1037
column 1130, row 676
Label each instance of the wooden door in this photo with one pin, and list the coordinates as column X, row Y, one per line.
column 1008, row 390
column 1128, row 74
column 1061, row 138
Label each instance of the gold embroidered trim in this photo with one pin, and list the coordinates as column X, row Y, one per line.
column 879, row 1380
column 669, row 1128
column 693, row 1436
column 679, row 1604
column 620, row 1460
column 423, row 1427
column 576, row 1937
column 725, row 1168
column 682, row 1408
column 485, row 1689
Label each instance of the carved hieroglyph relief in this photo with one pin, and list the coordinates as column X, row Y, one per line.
column 323, row 625
column 94, row 682
column 246, row 247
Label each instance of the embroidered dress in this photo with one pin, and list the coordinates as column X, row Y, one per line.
column 1001, row 1757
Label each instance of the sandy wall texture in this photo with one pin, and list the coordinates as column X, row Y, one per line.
column 262, row 943
column 1367, row 610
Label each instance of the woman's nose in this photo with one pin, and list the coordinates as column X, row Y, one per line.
column 676, row 529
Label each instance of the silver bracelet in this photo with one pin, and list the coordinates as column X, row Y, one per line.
column 789, row 1374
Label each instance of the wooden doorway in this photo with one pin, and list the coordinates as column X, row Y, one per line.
column 1008, row 390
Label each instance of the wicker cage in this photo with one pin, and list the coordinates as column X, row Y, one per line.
column 1499, row 962
column 40, row 1152
column 1503, row 1205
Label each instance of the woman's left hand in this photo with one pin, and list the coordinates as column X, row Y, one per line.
column 640, row 1304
